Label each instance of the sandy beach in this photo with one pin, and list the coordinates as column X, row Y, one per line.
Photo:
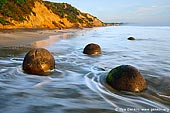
column 22, row 37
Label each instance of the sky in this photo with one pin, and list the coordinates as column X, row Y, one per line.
column 135, row 12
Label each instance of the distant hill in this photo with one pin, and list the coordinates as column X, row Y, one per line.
column 43, row 14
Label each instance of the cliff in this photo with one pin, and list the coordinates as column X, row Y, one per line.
column 43, row 14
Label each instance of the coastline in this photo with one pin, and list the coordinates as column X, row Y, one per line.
column 23, row 37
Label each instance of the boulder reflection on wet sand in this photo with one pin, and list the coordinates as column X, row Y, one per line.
column 38, row 61
column 126, row 77
column 92, row 49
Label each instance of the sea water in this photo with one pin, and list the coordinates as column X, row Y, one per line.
column 77, row 84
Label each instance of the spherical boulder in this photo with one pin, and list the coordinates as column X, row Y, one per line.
column 38, row 61
column 131, row 38
column 92, row 49
column 126, row 77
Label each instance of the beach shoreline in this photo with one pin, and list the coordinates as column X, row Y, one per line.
column 23, row 37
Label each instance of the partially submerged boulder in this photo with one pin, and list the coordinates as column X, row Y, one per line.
column 131, row 38
column 92, row 49
column 126, row 77
column 38, row 61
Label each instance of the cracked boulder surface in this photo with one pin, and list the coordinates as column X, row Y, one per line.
column 37, row 61
column 126, row 77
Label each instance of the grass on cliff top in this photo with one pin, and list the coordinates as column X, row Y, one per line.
column 64, row 10
column 15, row 9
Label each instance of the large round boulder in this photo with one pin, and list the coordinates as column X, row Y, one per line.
column 38, row 61
column 126, row 77
column 92, row 49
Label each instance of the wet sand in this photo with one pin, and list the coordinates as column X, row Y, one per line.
column 23, row 37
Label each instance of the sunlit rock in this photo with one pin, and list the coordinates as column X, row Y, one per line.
column 126, row 77
column 92, row 49
column 131, row 38
column 38, row 61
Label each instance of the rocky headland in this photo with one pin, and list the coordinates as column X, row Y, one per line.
column 43, row 14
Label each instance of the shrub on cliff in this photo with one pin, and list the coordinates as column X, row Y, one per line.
column 20, row 2
column 64, row 10
column 16, row 9
column 3, row 21
column 2, row 2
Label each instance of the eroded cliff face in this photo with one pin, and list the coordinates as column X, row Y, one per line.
column 43, row 17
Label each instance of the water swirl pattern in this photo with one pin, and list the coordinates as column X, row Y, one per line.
column 77, row 84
